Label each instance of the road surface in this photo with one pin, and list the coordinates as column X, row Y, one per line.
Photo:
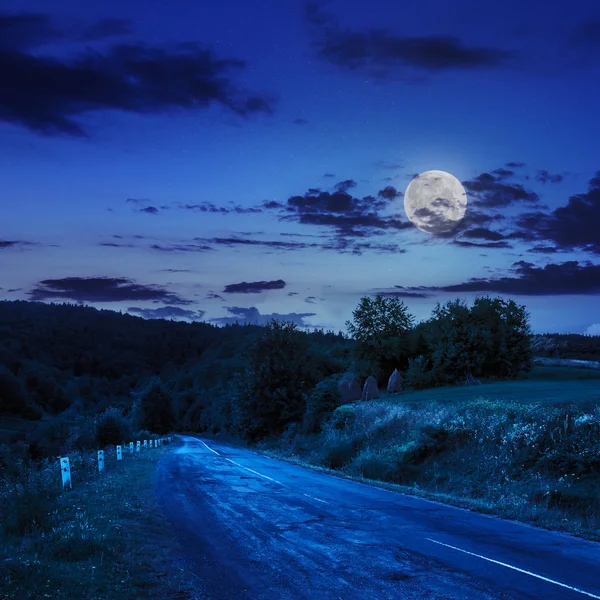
column 257, row 528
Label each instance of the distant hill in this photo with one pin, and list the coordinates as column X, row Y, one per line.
column 59, row 362
column 567, row 346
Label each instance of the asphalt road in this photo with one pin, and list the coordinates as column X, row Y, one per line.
column 258, row 528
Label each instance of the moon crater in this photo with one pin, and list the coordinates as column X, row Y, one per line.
column 435, row 202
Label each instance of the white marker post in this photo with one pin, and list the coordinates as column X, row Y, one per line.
column 65, row 471
column 100, row 461
column 156, row 443
column 137, row 446
column 119, row 453
column 145, row 443
column 130, row 447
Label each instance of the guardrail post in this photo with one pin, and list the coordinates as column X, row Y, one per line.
column 119, row 453
column 100, row 461
column 137, row 446
column 65, row 471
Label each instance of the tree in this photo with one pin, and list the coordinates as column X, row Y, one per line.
column 270, row 388
column 381, row 327
column 154, row 410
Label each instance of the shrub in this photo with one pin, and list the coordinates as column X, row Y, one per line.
column 111, row 428
column 419, row 375
column 343, row 417
column 320, row 403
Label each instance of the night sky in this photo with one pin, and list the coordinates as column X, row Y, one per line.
column 243, row 160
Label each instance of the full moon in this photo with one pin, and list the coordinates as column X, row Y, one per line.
column 435, row 201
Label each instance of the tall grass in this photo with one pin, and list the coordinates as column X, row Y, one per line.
column 533, row 462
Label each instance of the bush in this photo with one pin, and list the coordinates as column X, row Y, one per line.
column 419, row 375
column 111, row 428
column 343, row 417
column 320, row 403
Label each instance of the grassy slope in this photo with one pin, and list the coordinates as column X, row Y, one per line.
column 104, row 539
column 526, row 450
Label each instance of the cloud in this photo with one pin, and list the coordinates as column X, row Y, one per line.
column 50, row 94
column 593, row 329
column 515, row 164
column 566, row 278
column 384, row 55
column 213, row 296
column 151, row 210
column 181, row 248
column 575, row 225
column 102, row 289
column 209, row 207
column 254, row 288
column 329, row 175
column 15, row 244
column 167, row 312
column 544, row 176
column 232, row 242
column 492, row 191
column 389, row 193
column 252, row 316
column 402, row 292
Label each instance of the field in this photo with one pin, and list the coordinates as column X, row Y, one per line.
column 527, row 450
column 547, row 385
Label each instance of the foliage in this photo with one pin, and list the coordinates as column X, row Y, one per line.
column 270, row 390
column 321, row 401
column 381, row 327
column 111, row 428
column 154, row 409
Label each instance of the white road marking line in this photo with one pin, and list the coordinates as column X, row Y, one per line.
column 497, row 562
column 256, row 472
column 317, row 499
column 209, row 447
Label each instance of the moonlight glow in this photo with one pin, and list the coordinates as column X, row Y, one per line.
column 435, row 201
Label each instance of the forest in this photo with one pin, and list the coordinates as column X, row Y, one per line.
column 89, row 377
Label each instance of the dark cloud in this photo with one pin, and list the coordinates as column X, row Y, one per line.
column 151, row 210
column 544, row 176
column 176, row 270
column 209, row 207
column 167, row 312
column 252, row 316
column 138, row 200
column 465, row 244
column 116, row 245
column 492, row 191
column 310, row 300
column 254, row 287
column 6, row 244
column 503, row 173
column 213, row 296
column 388, row 166
column 544, row 249
column 102, row 289
column 389, row 193
column 181, row 248
column 384, row 55
column 292, row 293
column 232, row 242
column 342, row 186
column 566, row 278
column 515, row 165
column 576, row 225
column 484, row 234
column 10, row 291
column 402, row 292
column 329, row 175
column 50, row 95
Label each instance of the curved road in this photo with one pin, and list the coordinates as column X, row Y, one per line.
column 257, row 528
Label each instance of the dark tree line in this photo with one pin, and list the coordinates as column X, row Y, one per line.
column 89, row 376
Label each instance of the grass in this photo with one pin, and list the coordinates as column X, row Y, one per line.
column 103, row 539
column 525, row 450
